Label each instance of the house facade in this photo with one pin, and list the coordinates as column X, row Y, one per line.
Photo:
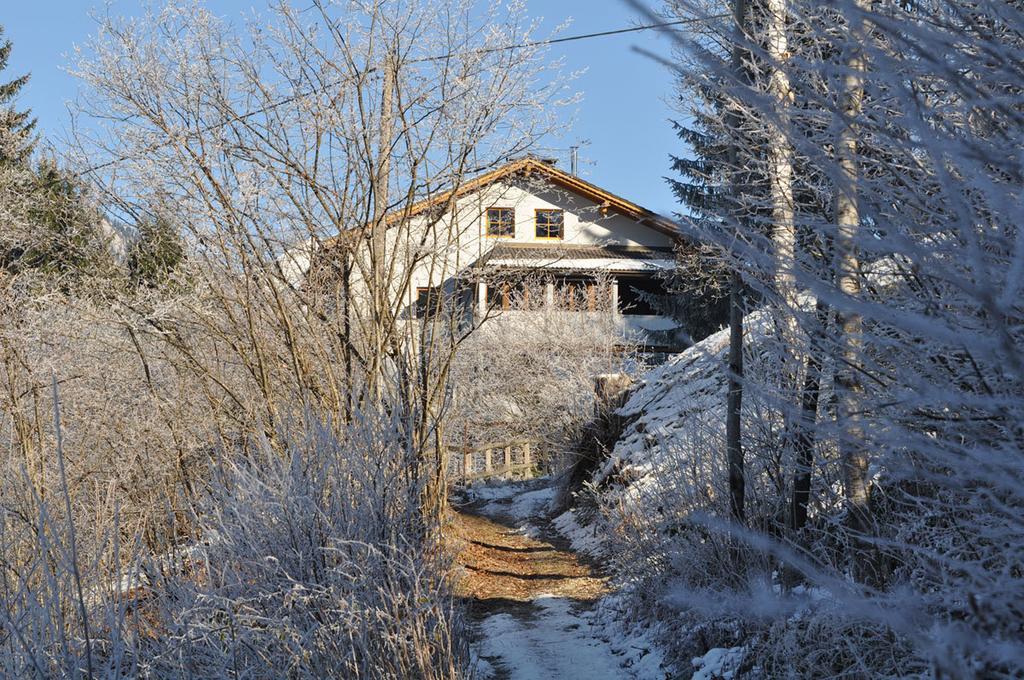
column 528, row 236
column 521, row 238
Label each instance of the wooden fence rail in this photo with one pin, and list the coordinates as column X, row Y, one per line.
column 497, row 460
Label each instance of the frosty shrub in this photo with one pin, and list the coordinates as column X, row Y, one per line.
column 865, row 164
column 308, row 562
column 528, row 371
column 311, row 562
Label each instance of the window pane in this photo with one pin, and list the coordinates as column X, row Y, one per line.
column 428, row 302
column 549, row 223
column 638, row 295
column 501, row 222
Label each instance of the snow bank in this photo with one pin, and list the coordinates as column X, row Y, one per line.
column 678, row 402
column 667, row 465
column 532, row 503
column 584, row 538
column 719, row 662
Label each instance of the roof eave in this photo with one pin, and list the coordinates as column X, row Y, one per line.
column 527, row 166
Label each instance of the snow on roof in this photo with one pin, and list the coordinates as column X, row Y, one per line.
column 610, row 257
column 597, row 264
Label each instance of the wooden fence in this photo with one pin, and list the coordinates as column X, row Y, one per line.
column 511, row 459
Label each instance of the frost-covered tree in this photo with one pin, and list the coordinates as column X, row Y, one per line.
column 334, row 123
column 885, row 479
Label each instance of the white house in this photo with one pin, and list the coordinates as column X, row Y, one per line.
column 528, row 234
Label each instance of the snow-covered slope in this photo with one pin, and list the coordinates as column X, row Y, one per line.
column 679, row 402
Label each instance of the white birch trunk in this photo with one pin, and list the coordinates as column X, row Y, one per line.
column 847, row 217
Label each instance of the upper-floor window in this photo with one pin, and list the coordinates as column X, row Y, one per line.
column 501, row 222
column 550, row 223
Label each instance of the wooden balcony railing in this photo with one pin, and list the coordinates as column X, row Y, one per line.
column 512, row 459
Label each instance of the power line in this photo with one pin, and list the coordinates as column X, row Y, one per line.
column 585, row 36
column 486, row 50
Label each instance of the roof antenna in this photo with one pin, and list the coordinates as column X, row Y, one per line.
column 574, row 159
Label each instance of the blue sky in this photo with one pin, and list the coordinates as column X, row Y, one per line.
column 624, row 116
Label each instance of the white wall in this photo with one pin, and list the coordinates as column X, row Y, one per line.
column 583, row 225
column 455, row 242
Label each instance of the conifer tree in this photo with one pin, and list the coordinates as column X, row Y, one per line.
column 700, row 280
column 17, row 138
column 64, row 238
column 48, row 225
column 155, row 254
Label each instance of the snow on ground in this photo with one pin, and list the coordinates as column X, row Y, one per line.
column 584, row 538
column 563, row 640
column 720, row 662
column 532, row 503
column 678, row 403
column 543, row 613
column 518, row 501
column 491, row 492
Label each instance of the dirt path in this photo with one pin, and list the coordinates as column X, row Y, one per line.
column 502, row 563
column 530, row 597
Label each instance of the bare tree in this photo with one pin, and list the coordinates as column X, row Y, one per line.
column 326, row 116
column 847, row 216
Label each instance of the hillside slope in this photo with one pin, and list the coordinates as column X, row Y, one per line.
column 677, row 414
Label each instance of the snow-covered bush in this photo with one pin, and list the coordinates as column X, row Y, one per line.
column 310, row 563
column 530, row 374
column 314, row 563
column 865, row 165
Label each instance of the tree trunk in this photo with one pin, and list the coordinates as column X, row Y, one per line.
column 780, row 182
column 780, row 179
column 734, row 404
column 380, row 184
column 803, row 431
column 346, row 331
column 847, row 216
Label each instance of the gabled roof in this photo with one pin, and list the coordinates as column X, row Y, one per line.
column 528, row 167
column 532, row 166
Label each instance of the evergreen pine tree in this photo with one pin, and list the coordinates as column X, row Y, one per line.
column 64, row 238
column 155, row 254
column 700, row 281
column 17, row 128
column 48, row 225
